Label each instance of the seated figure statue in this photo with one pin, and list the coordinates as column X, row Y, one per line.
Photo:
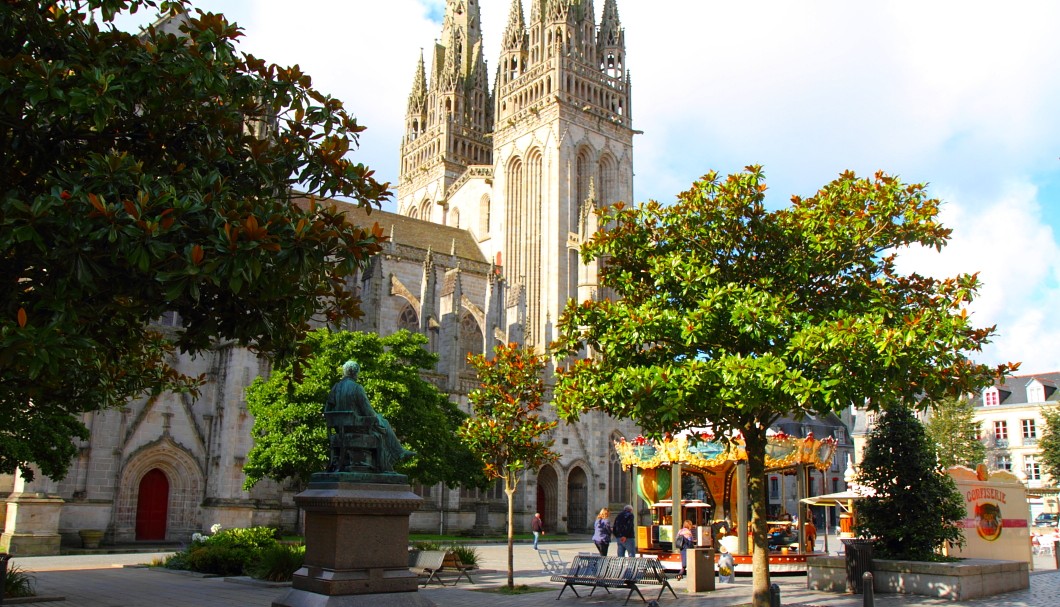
column 346, row 431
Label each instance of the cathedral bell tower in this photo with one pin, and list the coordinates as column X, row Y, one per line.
column 524, row 168
column 562, row 146
column 447, row 121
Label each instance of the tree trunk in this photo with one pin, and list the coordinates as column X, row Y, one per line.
column 755, row 444
column 509, row 490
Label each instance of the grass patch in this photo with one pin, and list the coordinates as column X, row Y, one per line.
column 517, row 589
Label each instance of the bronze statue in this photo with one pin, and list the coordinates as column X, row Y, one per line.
column 360, row 440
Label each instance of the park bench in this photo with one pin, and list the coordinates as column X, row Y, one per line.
column 428, row 564
column 452, row 562
column 614, row 572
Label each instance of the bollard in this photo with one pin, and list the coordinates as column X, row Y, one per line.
column 1056, row 554
column 774, row 595
column 867, row 590
column 4, row 558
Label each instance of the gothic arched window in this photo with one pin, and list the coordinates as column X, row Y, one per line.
column 408, row 319
column 470, row 338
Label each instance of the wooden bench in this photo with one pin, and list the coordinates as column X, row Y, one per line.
column 428, row 565
column 614, row 572
column 452, row 562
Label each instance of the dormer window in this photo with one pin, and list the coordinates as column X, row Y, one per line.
column 1035, row 392
column 991, row 396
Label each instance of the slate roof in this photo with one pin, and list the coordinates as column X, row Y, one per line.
column 415, row 233
column 1014, row 389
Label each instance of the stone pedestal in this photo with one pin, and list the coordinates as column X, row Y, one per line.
column 356, row 537
column 31, row 527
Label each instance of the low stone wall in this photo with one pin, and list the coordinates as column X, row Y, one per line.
column 958, row 581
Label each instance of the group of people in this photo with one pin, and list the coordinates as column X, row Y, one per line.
column 623, row 531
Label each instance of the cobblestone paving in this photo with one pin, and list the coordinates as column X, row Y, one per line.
column 103, row 581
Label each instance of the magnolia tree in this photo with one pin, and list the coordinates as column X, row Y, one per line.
column 729, row 315
column 507, row 431
column 149, row 174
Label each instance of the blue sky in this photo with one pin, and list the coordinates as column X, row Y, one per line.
column 963, row 95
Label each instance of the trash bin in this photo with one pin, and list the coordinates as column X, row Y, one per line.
column 700, row 569
column 858, row 561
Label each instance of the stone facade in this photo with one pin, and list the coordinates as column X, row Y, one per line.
column 496, row 194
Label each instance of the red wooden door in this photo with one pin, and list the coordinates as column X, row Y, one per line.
column 152, row 506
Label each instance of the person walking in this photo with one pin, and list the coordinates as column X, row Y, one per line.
column 625, row 532
column 684, row 541
column 602, row 531
column 538, row 527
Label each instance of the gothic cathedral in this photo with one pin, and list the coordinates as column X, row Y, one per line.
column 496, row 193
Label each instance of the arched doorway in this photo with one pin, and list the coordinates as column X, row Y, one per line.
column 577, row 501
column 152, row 506
column 547, row 502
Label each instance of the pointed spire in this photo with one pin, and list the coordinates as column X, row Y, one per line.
column 419, row 85
column 611, row 33
column 515, row 32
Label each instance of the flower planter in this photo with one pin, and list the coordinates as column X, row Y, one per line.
column 90, row 538
column 958, row 581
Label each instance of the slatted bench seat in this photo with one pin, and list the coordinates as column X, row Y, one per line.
column 452, row 562
column 614, row 572
column 428, row 565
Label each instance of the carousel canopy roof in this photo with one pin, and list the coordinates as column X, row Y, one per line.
column 704, row 450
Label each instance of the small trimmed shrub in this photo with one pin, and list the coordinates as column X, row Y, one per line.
column 426, row 545
column 18, row 583
column 277, row 563
column 468, row 555
column 219, row 559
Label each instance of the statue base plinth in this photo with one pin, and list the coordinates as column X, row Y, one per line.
column 300, row 598
column 356, row 538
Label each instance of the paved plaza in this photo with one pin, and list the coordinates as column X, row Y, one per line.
column 109, row 581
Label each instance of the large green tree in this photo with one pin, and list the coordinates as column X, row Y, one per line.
column 731, row 315
column 507, row 431
column 290, row 437
column 146, row 174
column 915, row 508
column 1049, row 443
column 953, row 431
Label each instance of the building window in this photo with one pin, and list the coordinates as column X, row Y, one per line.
column 774, row 488
column 1029, row 429
column 835, row 485
column 991, row 397
column 1032, row 468
column 1035, row 392
column 1003, row 462
column 1001, row 430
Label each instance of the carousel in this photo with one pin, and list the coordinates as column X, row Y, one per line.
column 711, row 472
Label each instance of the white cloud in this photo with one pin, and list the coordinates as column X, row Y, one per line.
column 961, row 94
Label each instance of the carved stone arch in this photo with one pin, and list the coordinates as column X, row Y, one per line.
column 471, row 337
column 186, row 477
column 547, row 502
column 454, row 218
column 425, row 209
column 607, row 180
column 397, row 288
column 408, row 319
column 578, row 511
